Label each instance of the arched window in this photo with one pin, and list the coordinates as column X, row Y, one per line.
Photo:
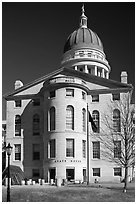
column 116, row 120
column 84, row 119
column 17, row 125
column 70, row 118
column 52, row 118
column 36, row 124
column 95, row 116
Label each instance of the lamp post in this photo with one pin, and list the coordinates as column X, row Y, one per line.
column 8, row 150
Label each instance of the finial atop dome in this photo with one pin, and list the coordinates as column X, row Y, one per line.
column 83, row 18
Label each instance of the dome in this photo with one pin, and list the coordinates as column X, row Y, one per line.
column 83, row 37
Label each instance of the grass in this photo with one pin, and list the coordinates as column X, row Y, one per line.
column 74, row 193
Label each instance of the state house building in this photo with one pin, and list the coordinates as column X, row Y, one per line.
column 47, row 118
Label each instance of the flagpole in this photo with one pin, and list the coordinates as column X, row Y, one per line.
column 87, row 145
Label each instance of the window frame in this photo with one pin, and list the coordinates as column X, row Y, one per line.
column 116, row 120
column 70, row 152
column 116, row 172
column 84, row 148
column 17, row 154
column 69, row 117
column 17, row 126
column 18, row 103
column 117, row 149
column 35, row 154
column 116, row 96
column 52, row 152
column 96, row 119
column 96, row 149
column 69, row 90
column 95, row 98
column 36, row 124
column 96, row 173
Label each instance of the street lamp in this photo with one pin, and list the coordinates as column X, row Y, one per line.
column 8, row 150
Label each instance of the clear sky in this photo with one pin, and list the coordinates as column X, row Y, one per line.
column 34, row 35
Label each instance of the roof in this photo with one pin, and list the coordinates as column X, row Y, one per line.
column 70, row 72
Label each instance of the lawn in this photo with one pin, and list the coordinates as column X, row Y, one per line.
column 74, row 193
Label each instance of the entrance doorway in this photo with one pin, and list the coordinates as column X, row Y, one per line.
column 84, row 175
column 69, row 174
column 52, row 173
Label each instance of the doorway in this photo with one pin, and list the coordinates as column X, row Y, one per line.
column 70, row 174
column 52, row 174
column 84, row 175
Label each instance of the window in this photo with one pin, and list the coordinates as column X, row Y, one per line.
column 35, row 173
column 52, row 118
column 69, row 147
column 116, row 120
column 95, row 116
column 36, row 152
column 70, row 118
column 84, row 148
column 52, row 144
column 117, row 149
column 18, row 103
column 36, row 102
column 83, row 95
column 17, row 152
column 96, row 172
column 52, row 94
column 116, row 97
column 36, row 124
column 70, row 92
column 17, row 125
column 95, row 98
column 96, row 150
column 117, row 172
column 84, row 119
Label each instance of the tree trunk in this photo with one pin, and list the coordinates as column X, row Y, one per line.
column 125, row 180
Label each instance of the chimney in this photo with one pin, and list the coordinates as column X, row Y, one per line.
column 124, row 77
column 18, row 84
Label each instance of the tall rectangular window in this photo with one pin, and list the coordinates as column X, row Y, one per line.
column 17, row 125
column 96, row 150
column 96, row 172
column 35, row 173
column 117, row 149
column 70, row 118
column 84, row 120
column 84, row 148
column 117, row 172
column 70, row 92
column 69, row 147
column 52, row 146
column 17, row 152
column 18, row 103
column 36, row 152
column 95, row 98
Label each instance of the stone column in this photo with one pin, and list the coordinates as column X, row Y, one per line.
column 103, row 73
column 107, row 75
column 95, row 70
column 86, row 69
column 76, row 68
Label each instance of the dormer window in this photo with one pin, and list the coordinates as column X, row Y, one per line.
column 18, row 103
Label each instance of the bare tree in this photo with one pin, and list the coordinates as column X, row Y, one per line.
column 118, row 134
